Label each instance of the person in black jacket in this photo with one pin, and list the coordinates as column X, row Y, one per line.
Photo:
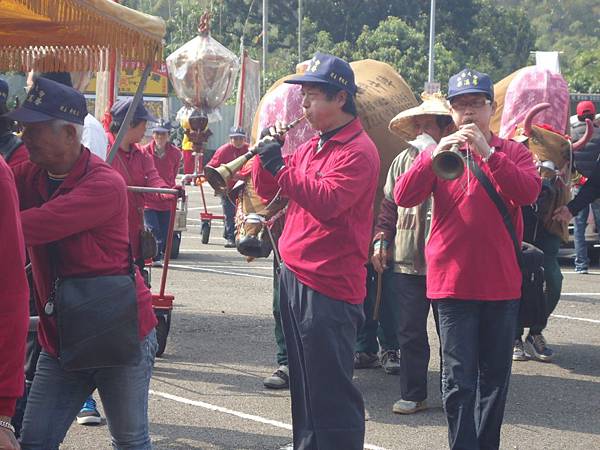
column 585, row 160
column 588, row 193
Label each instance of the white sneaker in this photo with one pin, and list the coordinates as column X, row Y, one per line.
column 279, row 380
column 408, row 407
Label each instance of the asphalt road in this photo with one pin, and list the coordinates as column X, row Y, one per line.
column 207, row 392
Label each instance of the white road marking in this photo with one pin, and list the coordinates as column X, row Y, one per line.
column 581, row 319
column 223, row 272
column 190, row 219
column 250, row 266
column 580, row 294
column 232, row 412
column 572, row 272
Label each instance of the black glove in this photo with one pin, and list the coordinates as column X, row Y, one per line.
column 270, row 131
column 270, row 156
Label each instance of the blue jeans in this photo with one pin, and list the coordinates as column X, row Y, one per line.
column 580, row 223
column 158, row 223
column 477, row 340
column 229, row 213
column 57, row 395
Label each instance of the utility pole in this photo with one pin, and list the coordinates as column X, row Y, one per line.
column 300, row 31
column 265, row 25
column 431, row 86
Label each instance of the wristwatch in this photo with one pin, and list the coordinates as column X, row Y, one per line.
column 7, row 425
column 491, row 152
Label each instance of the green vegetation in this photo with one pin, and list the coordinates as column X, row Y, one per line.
column 494, row 36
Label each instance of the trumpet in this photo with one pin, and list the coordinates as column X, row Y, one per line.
column 219, row 176
column 449, row 164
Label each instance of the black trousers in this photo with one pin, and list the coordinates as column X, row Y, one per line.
column 320, row 333
column 413, row 308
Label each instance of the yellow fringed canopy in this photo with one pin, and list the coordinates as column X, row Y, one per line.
column 76, row 34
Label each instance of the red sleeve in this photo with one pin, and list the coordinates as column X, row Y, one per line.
column 89, row 206
column 516, row 174
column 14, row 303
column 415, row 185
column 220, row 157
column 335, row 192
column 387, row 220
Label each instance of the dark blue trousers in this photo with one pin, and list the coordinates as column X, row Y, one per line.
column 320, row 333
column 477, row 342
column 229, row 213
column 158, row 223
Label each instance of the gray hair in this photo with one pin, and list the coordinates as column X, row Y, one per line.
column 57, row 124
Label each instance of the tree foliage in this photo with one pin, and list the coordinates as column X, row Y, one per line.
column 493, row 36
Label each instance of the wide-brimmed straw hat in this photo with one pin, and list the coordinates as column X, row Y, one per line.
column 433, row 104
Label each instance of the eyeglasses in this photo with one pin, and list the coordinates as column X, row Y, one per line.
column 473, row 104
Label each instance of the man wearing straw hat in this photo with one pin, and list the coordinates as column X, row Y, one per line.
column 403, row 244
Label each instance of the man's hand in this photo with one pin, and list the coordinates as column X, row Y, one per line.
column 276, row 131
column 269, row 152
column 447, row 142
column 8, row 440
column 379, row 259
column 473, row 135
column 562, row 214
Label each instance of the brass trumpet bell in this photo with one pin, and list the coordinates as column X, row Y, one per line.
column 219, row 177
column 449, row 164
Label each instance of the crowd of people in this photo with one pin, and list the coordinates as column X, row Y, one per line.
column 438, row 244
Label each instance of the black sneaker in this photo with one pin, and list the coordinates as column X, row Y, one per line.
column 535, row 346
column 364, row 360
column 390, row 361
column 89, row 415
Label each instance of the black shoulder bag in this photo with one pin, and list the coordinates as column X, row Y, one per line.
column 97, row 319
column 532, row 309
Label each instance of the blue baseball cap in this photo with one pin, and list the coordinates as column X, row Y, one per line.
column 3, row 91
column 237, row 132
column 49, row 100
column 162, row 127
column 121, row 106
column 469, row 81
column 327, row 69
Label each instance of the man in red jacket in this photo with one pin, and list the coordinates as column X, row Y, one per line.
column 472, row 268
column 74, row 207
column 331, row 182
column 167, row 158
column 236, row 147
column 13, row 304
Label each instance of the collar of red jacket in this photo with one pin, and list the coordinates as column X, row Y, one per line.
column 346, row 134
column 76, row 173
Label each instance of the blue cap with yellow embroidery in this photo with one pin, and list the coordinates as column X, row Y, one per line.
column 3, row 91
column 327, row 69
column 469, row 81
column 49, row 100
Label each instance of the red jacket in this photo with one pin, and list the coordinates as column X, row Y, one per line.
column 227, row 153
column 14, row 301
column 167, row 167
column 137, row 169
column 327, row 232
column 87, row 217
column 470, row 255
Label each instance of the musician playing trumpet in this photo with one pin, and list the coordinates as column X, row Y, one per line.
column 330, row 181
column 472, row 269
